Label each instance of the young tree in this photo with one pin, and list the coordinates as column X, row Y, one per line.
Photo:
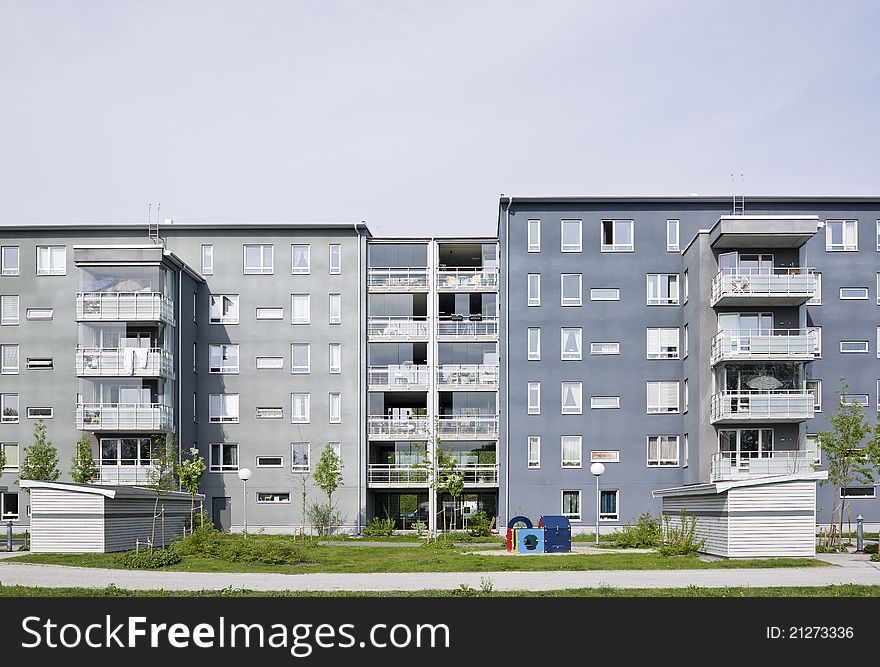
column 40, row 460
column 82, row 465
column 190, row 472
column 328, row 475
column 304, row 480
column 161, row 475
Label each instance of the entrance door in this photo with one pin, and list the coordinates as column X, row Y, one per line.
column 221, row 513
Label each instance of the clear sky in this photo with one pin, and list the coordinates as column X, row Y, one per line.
column 416, row 115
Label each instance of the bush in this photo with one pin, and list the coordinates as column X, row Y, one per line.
column 199, row 519
column 379, row 528
column 148, row 559
column 323, row 518
column 478, row 525
column 419, row 526
column 208, row 542
column 870, row 549
column 645, row 534
column 680, row 540
column 875, row 557
column 838, row 548
column 442, row 542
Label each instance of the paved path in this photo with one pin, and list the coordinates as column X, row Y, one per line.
column 852, row 569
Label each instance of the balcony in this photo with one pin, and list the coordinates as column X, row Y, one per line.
column 124, row 417
column 781, row 286
column 406, row 279
column 474, row 377
column 124, row 362
column 780, row 405
column 746, row 465
column 474, row 327
column 764, row 345
column 414, row 427
column 410, row 475
column 467, row 280
column 124, row 307
column 128, row 472
column 463, row 427
column 403, row 377
column 398, row 328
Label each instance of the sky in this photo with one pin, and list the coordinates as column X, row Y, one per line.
column 414, row 116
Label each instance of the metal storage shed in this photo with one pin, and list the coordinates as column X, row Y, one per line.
column 762, row 517
column 80, row 518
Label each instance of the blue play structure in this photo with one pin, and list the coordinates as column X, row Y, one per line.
column 553, row 535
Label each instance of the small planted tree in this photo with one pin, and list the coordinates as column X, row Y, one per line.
column 82, row 465
column 161, row 475
column 304, row 496
column 190, row 472
column 40, row 461
column 328, row 478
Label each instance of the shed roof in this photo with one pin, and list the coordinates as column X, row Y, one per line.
column 713, row 488
column 114, row 492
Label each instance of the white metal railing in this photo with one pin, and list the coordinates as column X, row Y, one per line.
column 125, row 471
column 740, row 344
column 467, row 375
column 778, row 404
column 124, row 416
column 124, row 306
column 120, row 362
column 400, row 376
column 467, row 279
column 468, row 327
column 403, row 474
column 397, row 327
column 742, row 465
column 769, row 282
column 462, row 426
column 401, row 278
column 414, row 426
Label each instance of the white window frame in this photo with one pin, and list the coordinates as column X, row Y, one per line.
column 686, row 451
column 207, row 259
column 268, row 365
column 5, row 268
column 571, row 301
column 533, row 389
column 594, row 348
column 673, row 246
column 304, row 418
column 533, row 232
column 596, row 402
column 335, row 407
column 335, row 268
column 263, row 269
column 335, row 318
column 616, row 516
column 878, row 395
column 571, row 516
column 300, row 468
column 660, row 462
column 39, row 314
column 308, row 309
column 859, row 497
column 686, row 286
column 685, row 343
column 817, row 298
column 578, row 334
column 571, row 247
column 533, row 342
column 578, row 387
column 854, row 342
column 817, row 401
column 52, row 269
column 861, row 292
column 14, row 319
column 6, row 447
column 844, row 246
column 614, row 246
column 301, row 270
column 220, row 467
column 662, row 334
column 272, row 497
column 31, row 414
column 269, row 313
column 223, row 368
column 595, row 293
column 14, row 518
column 10, row 370
column 534, row 280
column 301, row 370
column 269, row 412
column 846, row 399
column 660, row 409
column 656, row 299
column 335, row 349
column 223, row 414
column 571, row 463
column 878, row 236
column 533, row 445
column 4, row 419
column 215, row 309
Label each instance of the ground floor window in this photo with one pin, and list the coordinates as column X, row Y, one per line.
column 608, row 505
column 224, row 457
column 466, row 505
column 9, row 506
column 571, row 505
column 403, row 507
column 858, row 492
column 269, row 497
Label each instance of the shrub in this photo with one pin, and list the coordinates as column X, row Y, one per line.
column 379, row 528
column 323, row 518
column 479, row 524
column 208, row 542
column 148, row 559
column 870, row 549
column 680, row 540
column 442, row 542
column 875, row 557
column 199, row 519
column 836, row 548
column 645, row 534
column 419, row 526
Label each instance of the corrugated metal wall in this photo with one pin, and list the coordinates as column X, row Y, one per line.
column 65, row 522
column 129, row 520
column 773, row 520
column 711, row 514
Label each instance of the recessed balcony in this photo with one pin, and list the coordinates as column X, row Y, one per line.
column 780, row 286
column 467, row 280
column 413, row 427
column 764, row 345
column 780, row 405
column 464, row 377
column 399, row 377
column 472, row 327
column 124, row 307
column 124, row 417
column 467, row 427
column 746, row 465
column 124, row 362
column 398, row 328
column 405, row 279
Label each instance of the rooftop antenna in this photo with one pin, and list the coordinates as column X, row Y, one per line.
column 739, row 202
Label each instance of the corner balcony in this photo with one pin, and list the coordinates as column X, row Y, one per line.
column 401, row 377
column 405, row 279
column 764, row 345
column 726, row 466
column 124, row 417
column 467, row 280
column 780, row 286
column 461, row 427
column 398, row 328
column 124, row 362
column 781, row 405
column 397, row 428
column 128, row 472
column 464, row 377
column 473, row 327
column 124, row 307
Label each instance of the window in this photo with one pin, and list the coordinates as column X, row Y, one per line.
column 207, row 259
column 9, row 260
column 300, row 409
column 195, row 307
column 878, row 395
column 195, row 357
column 301, row 258
column 571, row 289
column 534, row 452
column 605, row 456
column 687, row 452
column 662, row 397
column 223, row 358
column 855, row 399
column 608, row 505
column 270, row 313
column 335, row 259
column 10, row 451
column 534, row 236
column 878, row 342
column 672, row 236
column 40, row 413
column 878, row 236
column 570, row 345
column 223, row 408
column 571, row 451
column 617, row 236
column 571, row 398
column 571, row 505
column 604, row 348
column 604, row 402
column 335, row 408
column 662, row 289
column 266, row 363
column 605, row 294
column 195, row 409
column 8, row 507
column 687, row 285
column 223, row 309
column 51, row 260
column 300, row 358
column 662, row 451
column 534, row 398
column 687, row 395
column 335, row 309
column 534, row 289
column 259, row 258
column 9, row 310
column 270, row 413
column 224, row 457
column 817, row 297
column 571, row 236
column 39, row 313
column 816, row 332
column 272, row 497
column 335, row 357
column 9, row 408
column 878, row 289
column 299, row 457
column 534, row 343
column 841, row 235
column 337, row 448
column 300, row 308
column 858, row 492
column 853, row 346
column 686, row 341
column 662, row 343
column 40, row 363
column 848, row 293
column 9, row 356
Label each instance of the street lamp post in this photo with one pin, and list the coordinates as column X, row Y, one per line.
column 597, row 469
column 244, row 475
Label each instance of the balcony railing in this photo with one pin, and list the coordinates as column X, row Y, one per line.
column 398, row 328
column 467, row 376
column 124, row 306
column 403, row 475
column 743, row 465
column 467, row 280
column 392, row 279
column 765, row 344
column 782, row 405
column 782, row 285
column 122, row 362
column 468, row 427
column 398, row 377
column 124, row 417
column 125, row 472
column 397, row 428
column 474, row 326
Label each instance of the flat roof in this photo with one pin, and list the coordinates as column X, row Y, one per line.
column 598, row 199
column 114, row 492
column 712, row 488
column 99, row 226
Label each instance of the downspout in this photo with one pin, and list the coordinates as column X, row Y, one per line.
column 361, row 382
column 506, row 286
column 179, row 376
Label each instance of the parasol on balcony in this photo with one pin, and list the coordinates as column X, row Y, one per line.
column 764, row 383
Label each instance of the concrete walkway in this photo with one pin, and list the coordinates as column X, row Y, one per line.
column 851, row 569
